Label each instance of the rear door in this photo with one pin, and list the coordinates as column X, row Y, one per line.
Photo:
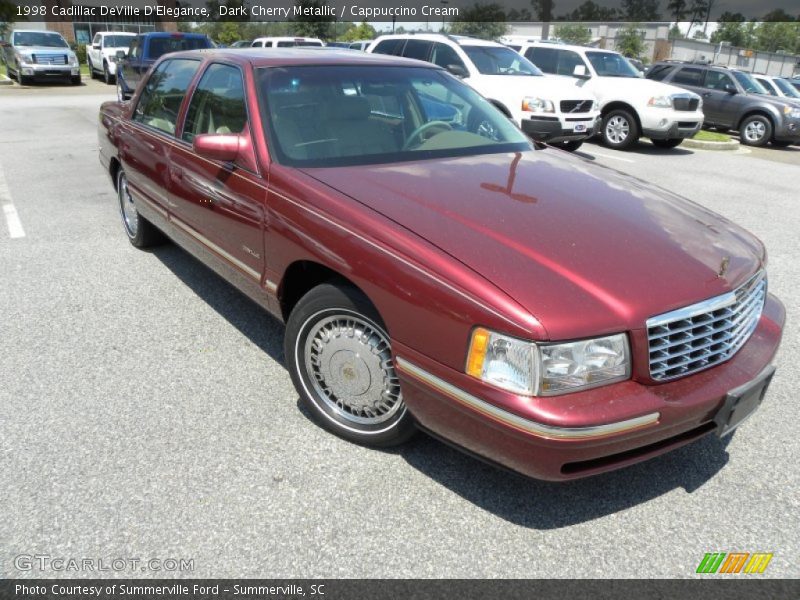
column 221, row 205
column 148, row 138
column 722, row 107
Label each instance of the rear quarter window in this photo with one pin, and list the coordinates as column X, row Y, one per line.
column 391, row 47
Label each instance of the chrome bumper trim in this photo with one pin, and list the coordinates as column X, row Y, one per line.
column 520, row 423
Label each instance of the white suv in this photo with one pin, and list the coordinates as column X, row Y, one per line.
column 101, row 54
column 631, row 106
column 545, row 109
column 286, row 42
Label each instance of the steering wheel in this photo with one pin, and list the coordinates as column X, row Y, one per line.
column 417, row 133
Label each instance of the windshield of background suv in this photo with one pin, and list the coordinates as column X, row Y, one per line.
column 611, row 64
column 748, row 83
column 787, row 88
column 500, row 60
column 39, row 38
column 117, row 41
column 325, row 116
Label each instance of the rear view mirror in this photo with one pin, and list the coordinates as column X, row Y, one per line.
column 217, row 147
column 580, row 72
column 458, row 70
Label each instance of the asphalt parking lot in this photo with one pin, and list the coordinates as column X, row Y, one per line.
column 146, row 413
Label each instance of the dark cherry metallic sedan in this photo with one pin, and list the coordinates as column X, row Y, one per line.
column 436, row 270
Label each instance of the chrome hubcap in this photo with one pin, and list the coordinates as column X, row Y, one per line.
column 754, row 131
column 349, row 362
column 617, row 129
column 130, row 216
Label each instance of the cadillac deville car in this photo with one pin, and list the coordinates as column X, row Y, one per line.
column 546, row 314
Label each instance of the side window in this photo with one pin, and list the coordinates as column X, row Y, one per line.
column 768, row 86
column 567, row 61
column 419, row 49
column 391, row 47
column 659, row 72
column 716, row 80
column 163, row 94
column 544, row 58
column 443, row 55
column 688, row 76
column 97, row 39
column 218, row 104
column 135, row 49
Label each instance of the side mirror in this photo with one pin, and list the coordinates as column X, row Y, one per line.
column 580, row 72
column 222, row 147
column 121, row 54
column 458, row 70
column 730, row 88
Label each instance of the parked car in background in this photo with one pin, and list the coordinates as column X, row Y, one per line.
column 360, row 45
column 40, row 55
column 548, row 314
column 101, row 54
column 545, row 109
column 338, row 45
column 242, row 44
column 631, row 106
column 795, row 82
column 286, row 42
column 733, row 100
column 146, row 49
column 780, row 87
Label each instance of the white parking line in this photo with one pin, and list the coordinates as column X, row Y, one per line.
column 15, row 229
column 611, row 156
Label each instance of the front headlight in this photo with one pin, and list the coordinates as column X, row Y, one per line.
column 26, row 58
column 73, row 60
column 794, row 113
column 548, row 369
column 531, row 104
column 660, row 102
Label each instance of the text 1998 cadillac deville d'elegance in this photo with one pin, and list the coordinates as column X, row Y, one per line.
column 437, row 270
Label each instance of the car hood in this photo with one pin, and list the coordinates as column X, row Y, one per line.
column 585, row 249
column 520, row 86
column 43, row 50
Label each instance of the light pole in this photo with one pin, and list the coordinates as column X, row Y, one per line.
column 443, row 3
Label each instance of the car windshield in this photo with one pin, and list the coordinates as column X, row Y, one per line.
column 748, row 83
column 787, row 88
column 117, row 41
column 500, row 60
column 39, row 38
column 324, row 116
column 611, row 64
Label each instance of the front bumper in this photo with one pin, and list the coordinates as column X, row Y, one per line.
column 583, row 433
column 662, row 123
column 555, row 129
column 788, row 131
column 49, row 71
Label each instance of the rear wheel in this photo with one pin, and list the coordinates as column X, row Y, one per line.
column 756, row 130
column 91, row 68
column 619, row 129
column 670, row 143
column 139, row 230
column 340, row 359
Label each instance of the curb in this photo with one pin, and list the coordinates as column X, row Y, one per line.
column 704, row 145
column 5, row 80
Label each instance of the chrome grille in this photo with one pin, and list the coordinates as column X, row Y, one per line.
column 576, row 106
column 50, row 59
column 705, row 334
column 685, row 104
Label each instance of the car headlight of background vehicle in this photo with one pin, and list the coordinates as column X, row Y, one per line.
column 532, row 104
column 793, row 112
column 73, row 59
column 660, row 102
column 26, row 58
column 548, row 369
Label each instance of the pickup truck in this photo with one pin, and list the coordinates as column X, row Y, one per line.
column 101, row 54
column 146, row 49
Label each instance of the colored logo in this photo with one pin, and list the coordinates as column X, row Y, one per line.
column 734, row 562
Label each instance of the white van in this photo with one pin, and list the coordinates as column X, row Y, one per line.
column 285, row 42
column 631, row 106
column 545, row 109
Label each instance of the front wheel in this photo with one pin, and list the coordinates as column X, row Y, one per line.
column 671, row 143
column 340, row 359
column 106, row 75
column 756, row 130
column 619, row 129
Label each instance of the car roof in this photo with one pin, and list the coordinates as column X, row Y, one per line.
column 36, row 31
column 116, row 33
column 172, row 34
column 461, row 40
column 575, row 47
column 276, row 57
